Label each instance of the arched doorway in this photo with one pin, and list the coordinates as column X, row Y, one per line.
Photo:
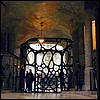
column 47, row 61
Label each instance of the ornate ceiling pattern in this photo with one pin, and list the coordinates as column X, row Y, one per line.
column 59, row 18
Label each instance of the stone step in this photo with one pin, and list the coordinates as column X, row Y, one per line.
column 85, row 93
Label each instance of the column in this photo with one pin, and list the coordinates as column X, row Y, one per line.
column 88, row 51
column 98, row 49
column 75, row 51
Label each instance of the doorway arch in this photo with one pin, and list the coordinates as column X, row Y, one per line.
column 49, row 59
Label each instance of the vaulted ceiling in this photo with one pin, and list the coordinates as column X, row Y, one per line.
column 60, row 18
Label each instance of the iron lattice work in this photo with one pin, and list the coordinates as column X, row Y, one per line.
column 52, row 61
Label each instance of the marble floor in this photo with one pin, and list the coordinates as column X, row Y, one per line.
column 62, row 95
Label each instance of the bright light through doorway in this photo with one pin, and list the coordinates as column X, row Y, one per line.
column 40, row 56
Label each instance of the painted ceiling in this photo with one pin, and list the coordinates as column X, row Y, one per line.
column 59, row 18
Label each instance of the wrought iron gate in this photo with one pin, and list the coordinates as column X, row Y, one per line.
column 49, row 61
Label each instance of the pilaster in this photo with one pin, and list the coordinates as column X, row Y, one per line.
column 88, row 51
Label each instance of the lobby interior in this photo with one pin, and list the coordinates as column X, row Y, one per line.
column 50, row 37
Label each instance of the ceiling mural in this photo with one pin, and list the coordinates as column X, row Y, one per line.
column 23, row 18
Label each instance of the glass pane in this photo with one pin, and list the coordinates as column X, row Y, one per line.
column 39, row 58
column 57, row 58
column 47, row 58
column 30, row 57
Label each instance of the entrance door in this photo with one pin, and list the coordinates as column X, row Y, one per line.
column 48, row 66
column 49, row 60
